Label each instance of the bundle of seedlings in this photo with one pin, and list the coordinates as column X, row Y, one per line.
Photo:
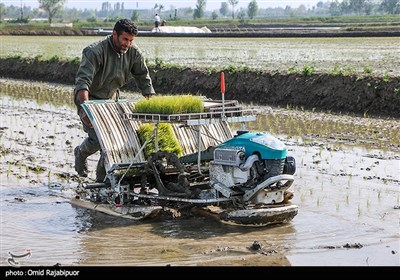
column 174, row 104
column 166, row 139
column 170, row 104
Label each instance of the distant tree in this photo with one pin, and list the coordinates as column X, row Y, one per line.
column 241, row 16
column 2, row 11
column 391, row 6
column 105, row 9
column 368, row 7
column 301, row 10
column 252, row 9
column 344, row 7
column 357, row 6
column 224, row 9
column 288, row 11
column 52, row 7
column 200, row 8
column 71, row 14
column 188, row 11
column 233, row 4
column 135, row 16
column 214, row 15
column 158, row 8
column 334, row 8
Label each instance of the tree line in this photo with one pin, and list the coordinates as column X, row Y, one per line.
column 55, row 10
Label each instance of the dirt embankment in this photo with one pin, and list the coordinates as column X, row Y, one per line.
column 375, row 96
column 229, row 31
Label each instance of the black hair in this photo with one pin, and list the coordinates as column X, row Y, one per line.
column 125, row 25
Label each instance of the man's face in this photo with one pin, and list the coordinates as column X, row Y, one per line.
column 123, row 41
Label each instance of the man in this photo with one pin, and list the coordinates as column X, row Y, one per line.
column 157, row 21
column 105, row 67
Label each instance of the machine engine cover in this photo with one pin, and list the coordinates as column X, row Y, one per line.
column 263, row 144
column 227, row 156
column 227, row 175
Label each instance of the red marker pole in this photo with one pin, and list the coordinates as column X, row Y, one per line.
column 223, row 93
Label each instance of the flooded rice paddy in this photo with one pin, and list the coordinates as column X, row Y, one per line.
column 346, row 186
column 376, row 55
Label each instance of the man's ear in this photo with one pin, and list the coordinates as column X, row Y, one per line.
column 115, row 34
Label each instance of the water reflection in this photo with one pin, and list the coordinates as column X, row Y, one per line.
column 191, row 241
column 46, row 225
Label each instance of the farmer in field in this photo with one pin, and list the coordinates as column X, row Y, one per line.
column 105, row 67
column 157, row 21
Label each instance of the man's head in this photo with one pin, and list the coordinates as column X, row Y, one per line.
column 126, row 25
column 123, row 34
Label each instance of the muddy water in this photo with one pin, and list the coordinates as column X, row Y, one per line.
column 347, row 191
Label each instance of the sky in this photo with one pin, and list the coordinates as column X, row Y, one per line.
column 148, row 4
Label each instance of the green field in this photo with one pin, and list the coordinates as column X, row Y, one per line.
column 376, row 55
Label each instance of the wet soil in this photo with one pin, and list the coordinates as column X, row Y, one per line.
column 366, row 95
column 346, row 186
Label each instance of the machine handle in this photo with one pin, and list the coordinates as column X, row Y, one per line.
column 222, row 83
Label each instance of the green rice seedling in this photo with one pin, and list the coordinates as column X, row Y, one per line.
column 293, row 70
column 39, row 170
column 39, row 57
column 54, row 58
column 386, row 77
column 159, row 62
column 15, row 56
column 9, row 170
column 308, row 70
column 166, row 139
column 174, row 104
column 336, row 70
column 348, row 71
column 367, row 69
column 76, row 60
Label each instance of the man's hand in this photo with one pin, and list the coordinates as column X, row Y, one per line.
column 84, row 118
column 82, row 95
